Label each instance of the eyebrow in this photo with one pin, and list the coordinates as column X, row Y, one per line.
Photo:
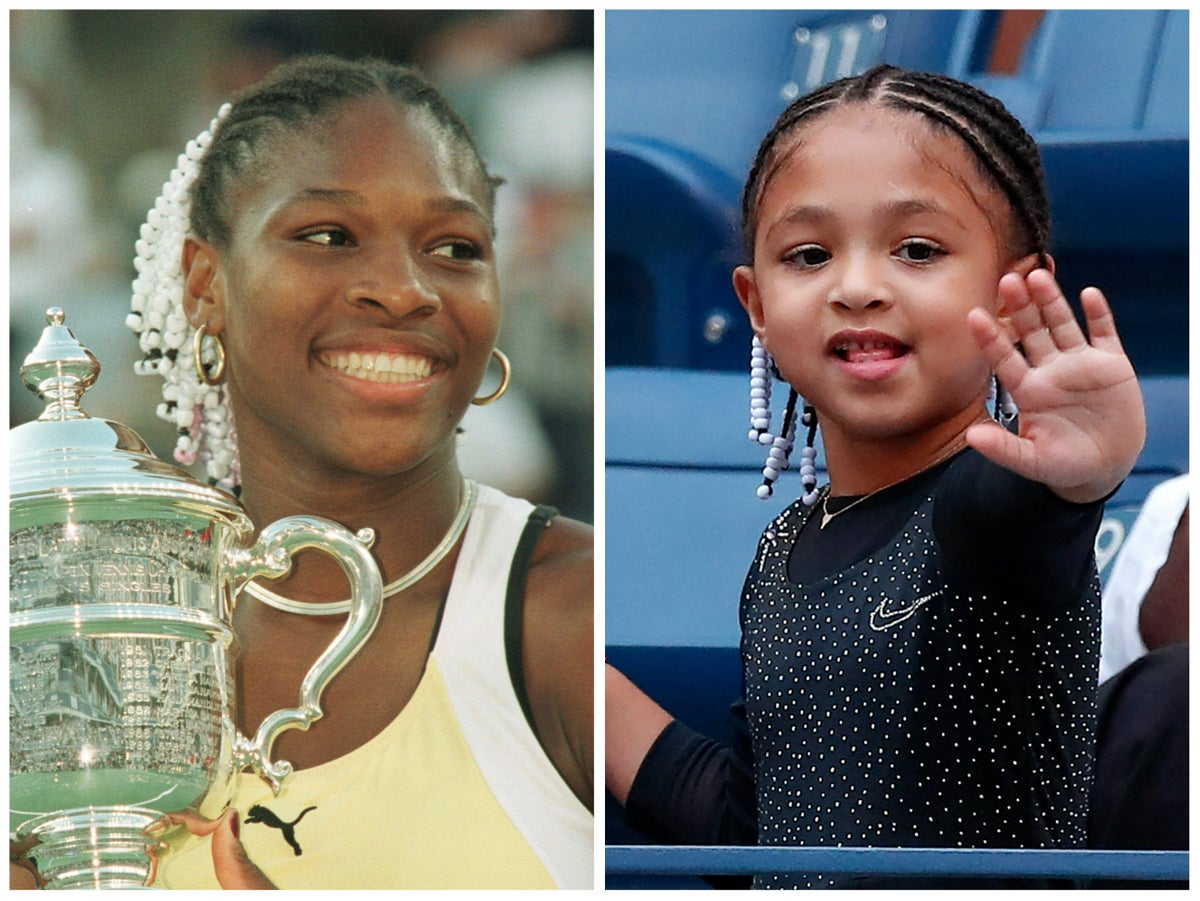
column 456, row 205
column 907, row 206
column 353, row 198
column 912, row 207
column 804, row 213
column 330, row 195
column 904, row 207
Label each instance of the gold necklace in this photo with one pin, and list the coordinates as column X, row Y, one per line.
column 827, row 517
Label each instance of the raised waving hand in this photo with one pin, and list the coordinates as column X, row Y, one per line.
column 1082, row 420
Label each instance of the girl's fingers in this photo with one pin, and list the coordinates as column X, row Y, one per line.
column 1055, row 311
column 999, row 351
column 1040, row 315
column 1102, row 328
column 1026, row 318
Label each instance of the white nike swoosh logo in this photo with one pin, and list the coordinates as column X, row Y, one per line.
column 883, row 618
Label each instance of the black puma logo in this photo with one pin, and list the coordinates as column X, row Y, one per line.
column 260, row 814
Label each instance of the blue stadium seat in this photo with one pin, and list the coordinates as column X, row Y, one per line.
column 672, row 242
column 1105, row 93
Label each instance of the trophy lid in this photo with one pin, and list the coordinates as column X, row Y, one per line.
column 66, row 456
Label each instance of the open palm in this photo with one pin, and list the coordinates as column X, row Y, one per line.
column 1082, row 420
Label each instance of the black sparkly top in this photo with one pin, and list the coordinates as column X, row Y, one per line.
column 920, row 673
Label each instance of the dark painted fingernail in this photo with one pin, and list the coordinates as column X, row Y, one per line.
column 235, row 826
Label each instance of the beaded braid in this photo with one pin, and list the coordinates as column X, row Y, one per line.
column 1004, row 152
column 194, row 200
column 199, row 411
column 762, row 369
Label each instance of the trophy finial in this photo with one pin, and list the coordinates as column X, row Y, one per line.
column 59, row 369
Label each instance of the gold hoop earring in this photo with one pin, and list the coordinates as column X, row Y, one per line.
column 505, row 375
column 217, row 375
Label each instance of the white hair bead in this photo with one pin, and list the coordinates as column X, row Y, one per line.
column 158, row 319
column 781, row 445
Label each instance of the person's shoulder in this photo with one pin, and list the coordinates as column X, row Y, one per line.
column 566, row 537
column 559, row 649
column 564, row 559
column 562, row 564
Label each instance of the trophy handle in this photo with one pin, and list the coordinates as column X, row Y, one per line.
column 271, row 556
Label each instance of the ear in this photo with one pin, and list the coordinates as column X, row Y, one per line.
column 203, row 285
column 1031, row 261
column 746, row 287
column 1022, row 267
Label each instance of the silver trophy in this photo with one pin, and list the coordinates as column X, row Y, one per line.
column 123, row 572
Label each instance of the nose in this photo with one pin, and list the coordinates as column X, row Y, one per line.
column 390, row 278
column 859, row 284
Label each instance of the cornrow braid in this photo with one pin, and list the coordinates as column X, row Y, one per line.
column 195, row 199
column 1004, row 151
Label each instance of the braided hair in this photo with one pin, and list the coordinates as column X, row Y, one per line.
column 1003, row 150
column 196, row 200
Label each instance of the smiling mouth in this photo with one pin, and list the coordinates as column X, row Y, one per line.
column 380, row 367
column 870, row 351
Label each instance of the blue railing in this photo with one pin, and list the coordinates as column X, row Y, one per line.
column 629, row 860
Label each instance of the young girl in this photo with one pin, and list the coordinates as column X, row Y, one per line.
column 337, row 309
column 919, row 637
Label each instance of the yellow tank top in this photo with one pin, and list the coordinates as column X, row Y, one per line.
column 455, row 793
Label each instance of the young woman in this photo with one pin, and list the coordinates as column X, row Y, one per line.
column 318, row 282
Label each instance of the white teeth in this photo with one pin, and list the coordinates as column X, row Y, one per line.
column 863, row 346
column 380, row 367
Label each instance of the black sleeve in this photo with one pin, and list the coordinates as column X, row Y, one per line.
column 1005, row 533
column 691, row 790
